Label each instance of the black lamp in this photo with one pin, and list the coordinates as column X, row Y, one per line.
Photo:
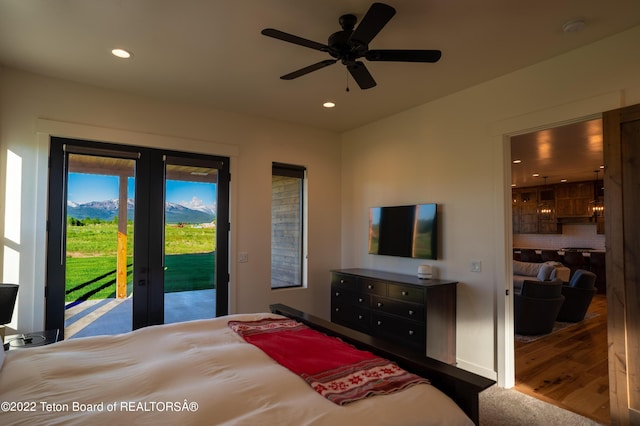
column 8, row 294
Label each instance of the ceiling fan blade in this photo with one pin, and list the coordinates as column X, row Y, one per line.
column 361, row 75
column 374, row 20
column 400, row 55
column 280, row 35
column 310, row 68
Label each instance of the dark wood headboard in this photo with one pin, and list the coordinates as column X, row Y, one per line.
column 460, row 385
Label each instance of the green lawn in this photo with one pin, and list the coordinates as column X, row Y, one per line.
column 91, row 260
column 100, row 240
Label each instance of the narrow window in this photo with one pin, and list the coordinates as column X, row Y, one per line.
column 287, row 225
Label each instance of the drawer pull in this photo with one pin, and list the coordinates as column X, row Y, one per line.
column 359, row 317
column 341, row 281
column 405, row 293
column 337, row 293
column 411, row 312
column 337, row 309
column 360, row 299
column 379, row 304
column 410, row 332
column 379, row 322
column 370, row 287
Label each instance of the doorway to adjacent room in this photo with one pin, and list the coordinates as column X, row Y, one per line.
column 568, row 367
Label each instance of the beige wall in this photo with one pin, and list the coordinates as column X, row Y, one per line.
column 453, row 152
column 31, row 107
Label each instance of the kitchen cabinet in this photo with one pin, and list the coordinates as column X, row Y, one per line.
column 573, row 199
column 525, row 211
column 526, row 216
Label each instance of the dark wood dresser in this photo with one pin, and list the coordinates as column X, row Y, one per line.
column 418, row 313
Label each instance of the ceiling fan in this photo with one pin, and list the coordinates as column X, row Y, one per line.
column 351, row 44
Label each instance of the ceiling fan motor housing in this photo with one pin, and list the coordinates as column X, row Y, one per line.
column 341, row 46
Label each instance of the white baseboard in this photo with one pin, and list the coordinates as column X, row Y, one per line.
column 476, row 369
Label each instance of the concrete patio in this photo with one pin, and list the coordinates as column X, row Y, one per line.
column 113, row 316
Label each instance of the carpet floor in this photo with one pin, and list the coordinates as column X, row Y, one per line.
column 508, row 407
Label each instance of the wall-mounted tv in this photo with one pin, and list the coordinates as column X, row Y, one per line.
column 406, row 231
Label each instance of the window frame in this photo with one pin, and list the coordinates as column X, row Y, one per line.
column 298, row 172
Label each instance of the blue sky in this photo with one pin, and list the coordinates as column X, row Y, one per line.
column 89, row 187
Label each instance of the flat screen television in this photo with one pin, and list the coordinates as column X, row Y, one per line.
column 405, row 231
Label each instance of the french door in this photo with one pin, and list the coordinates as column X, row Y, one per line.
column 136, row 237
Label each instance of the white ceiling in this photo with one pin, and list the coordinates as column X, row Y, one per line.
column 211, row 52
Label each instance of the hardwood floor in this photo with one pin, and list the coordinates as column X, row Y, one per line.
column 569, row 368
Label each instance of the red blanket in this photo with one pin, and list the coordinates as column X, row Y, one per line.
column 335, row 369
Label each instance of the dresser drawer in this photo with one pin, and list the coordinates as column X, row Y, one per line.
column 390, row 306
column 343, row 280
column 406, row 293
column 403, row 331
column 373, row 286
column 339, row 295
column 350, row 316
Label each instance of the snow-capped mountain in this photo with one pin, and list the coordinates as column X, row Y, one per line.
column 197, row 204
column 174, row 213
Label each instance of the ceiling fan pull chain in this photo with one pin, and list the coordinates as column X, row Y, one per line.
column 347, row 73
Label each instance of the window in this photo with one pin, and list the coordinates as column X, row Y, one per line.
column 287, row 225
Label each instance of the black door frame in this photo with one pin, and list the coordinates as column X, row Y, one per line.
column 148, row 272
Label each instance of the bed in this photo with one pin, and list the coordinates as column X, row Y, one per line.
column 205, row 372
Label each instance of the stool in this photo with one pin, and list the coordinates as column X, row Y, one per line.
column 574, row 260
column 597, row 265
column 530, row 255
column 550, row 255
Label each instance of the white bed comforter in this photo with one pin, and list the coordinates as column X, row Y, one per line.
column 192, row 373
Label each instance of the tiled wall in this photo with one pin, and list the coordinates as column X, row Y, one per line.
column 572, row 236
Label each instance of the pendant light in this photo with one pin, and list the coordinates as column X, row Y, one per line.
column 596, row 207
column 545, row 210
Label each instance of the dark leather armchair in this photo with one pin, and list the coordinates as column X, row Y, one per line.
column 537, row 306
column 578, row 293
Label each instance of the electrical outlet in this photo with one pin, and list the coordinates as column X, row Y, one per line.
column 243, row 257
column 476, row 266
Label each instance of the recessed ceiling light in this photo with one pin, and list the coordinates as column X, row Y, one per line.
column 121, row 53
column 536, row 174
column 517, row 161
column 329, row 104
column 563, row 180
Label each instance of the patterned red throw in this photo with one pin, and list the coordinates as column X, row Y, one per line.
column 333, row 368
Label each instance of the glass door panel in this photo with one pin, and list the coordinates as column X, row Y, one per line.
column 179, row 203
column 190, row 240
column 99, row 245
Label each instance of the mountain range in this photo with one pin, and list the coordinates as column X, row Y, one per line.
column 194, row 211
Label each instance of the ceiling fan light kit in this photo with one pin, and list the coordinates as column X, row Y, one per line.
column 352, row 43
